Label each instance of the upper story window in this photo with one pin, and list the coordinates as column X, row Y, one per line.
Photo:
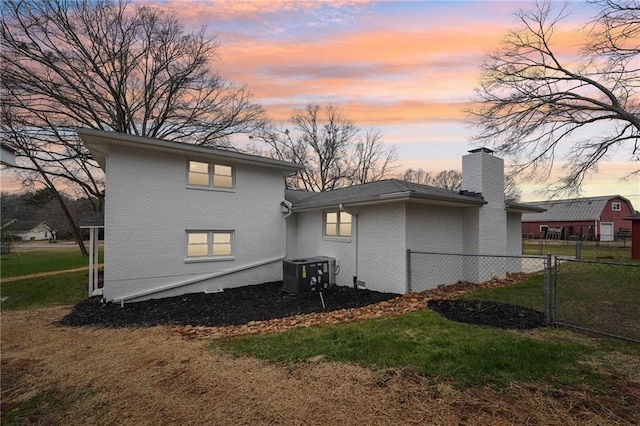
column 337, row 224
column 616, row 207
column 210, row 175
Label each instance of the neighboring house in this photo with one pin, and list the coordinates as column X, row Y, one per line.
column 7, row 156
column 31, row 231
column 182, row 218
column 593, row 218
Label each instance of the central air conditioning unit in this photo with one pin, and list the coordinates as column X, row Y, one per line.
column 308, row 275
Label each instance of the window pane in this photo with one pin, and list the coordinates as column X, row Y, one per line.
column 198, row 244
column 222, row 243
column 345, row 217
column 332, row 217
column 198, row 167
column 222, row 238
column 222, row 170
column 222, row 249
column 198, row 238
column 331, row 229
column 222, row 176
column 345, row 229
column 198, row 173
column 223, row 181
column 198, row 179
column 197, row 251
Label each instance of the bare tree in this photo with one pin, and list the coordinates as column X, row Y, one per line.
column 329, row 147
column 538, row 104
column 106, row 65
column 452, row 180
column 373, row 160
column 417, row 176
column 448, row 179
column 511, row 189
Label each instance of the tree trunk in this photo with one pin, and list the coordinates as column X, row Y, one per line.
column 74, row 228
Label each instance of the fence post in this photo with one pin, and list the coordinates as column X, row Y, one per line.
column 408, row 285
column 548, row 299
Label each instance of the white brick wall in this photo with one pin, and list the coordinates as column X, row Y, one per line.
column 382, row 248
column 149, row 208
column 310, row 242
column 435, row 229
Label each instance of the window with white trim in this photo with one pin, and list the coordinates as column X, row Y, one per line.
column 209, row 244
column 337, row 224
column 210, row 175
column 616, row 207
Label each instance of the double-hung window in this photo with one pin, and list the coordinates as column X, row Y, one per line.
column 337, row 224
column 210, row 175
column 209, row 244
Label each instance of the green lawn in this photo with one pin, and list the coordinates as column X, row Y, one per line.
column 61, row 289
column 434, row 347
column 35, row 261
column 529, row 293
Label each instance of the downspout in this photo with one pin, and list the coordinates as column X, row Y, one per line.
column 355, row 234
column 287, row 205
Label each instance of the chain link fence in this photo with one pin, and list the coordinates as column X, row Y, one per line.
column 598, row 297
column 588, row 295
column 578, row 249
column 428, row 270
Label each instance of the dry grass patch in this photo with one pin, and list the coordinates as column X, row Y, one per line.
column 152, row 377
column 82, row 376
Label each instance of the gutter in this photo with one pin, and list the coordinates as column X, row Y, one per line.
column 394, row 198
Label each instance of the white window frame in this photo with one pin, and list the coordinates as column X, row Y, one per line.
column 213, row 174
column 616, row 206
column 210, row 243
column 340, row 224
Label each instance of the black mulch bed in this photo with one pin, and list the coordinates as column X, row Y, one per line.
column 235, row 306
column 483, row 312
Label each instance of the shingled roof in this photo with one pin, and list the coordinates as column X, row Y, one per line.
column 380, row 192
column 576, row 209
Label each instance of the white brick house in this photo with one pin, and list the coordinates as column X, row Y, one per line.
column 387, row 218
column 181, row 218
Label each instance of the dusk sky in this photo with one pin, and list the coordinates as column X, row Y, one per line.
column 406, row 68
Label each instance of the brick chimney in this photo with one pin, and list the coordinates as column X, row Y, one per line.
column 486, row 229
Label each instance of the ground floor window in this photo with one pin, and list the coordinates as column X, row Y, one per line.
column 337, row 224
column 203, row 244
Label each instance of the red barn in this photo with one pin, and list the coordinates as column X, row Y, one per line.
column 593, row 218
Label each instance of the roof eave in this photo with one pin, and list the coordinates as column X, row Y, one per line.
column 98, row 142
column 404, row 196
column 521, row 208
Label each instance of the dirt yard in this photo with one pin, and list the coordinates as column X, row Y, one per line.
column 155, row 376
